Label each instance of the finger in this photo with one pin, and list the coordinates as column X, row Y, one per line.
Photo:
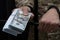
column 32, row 16
column 47, row 26
column 44, row 26
column 56, row 27
column 51, row 27
column 40, row 26
column 25, row 10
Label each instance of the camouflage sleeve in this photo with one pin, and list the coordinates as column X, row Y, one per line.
column 20, row 3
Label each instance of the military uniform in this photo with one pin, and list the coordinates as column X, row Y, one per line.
column 42, row 8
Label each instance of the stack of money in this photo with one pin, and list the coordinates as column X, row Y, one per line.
column 16, row 23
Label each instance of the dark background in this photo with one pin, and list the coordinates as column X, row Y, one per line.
column 6, row 6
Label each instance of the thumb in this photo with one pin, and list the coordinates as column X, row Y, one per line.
column 25, row 10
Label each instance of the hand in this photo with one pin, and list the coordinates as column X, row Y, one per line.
column 26, row 10
column 49, row 21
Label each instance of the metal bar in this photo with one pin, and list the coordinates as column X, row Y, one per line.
column 36, row 19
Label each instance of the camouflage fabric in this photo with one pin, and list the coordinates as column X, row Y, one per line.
column 24, row 3
column 43, row 6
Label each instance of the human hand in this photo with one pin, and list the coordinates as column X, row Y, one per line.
column 49, row 21
column 26, row 10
